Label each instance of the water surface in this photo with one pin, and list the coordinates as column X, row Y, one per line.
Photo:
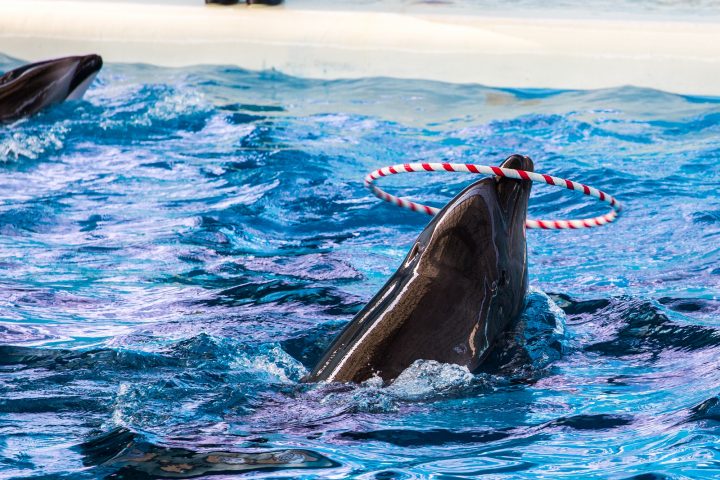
column 177, row 249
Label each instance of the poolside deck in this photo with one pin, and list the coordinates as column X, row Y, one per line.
column 558, row 53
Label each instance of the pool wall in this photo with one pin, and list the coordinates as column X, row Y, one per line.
column 676, row 56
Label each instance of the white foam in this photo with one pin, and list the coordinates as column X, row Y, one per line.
column 427, row 378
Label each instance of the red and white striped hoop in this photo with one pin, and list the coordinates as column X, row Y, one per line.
column 501, row 172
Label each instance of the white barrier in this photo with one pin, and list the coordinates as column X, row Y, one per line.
column 678, row 56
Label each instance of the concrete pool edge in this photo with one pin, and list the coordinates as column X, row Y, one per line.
column 680, row 57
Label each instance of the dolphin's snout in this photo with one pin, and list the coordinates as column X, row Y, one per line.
column 513, row 194
column 519, row 162
column 91, row 63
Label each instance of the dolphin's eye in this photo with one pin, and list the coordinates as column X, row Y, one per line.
column 414, row 251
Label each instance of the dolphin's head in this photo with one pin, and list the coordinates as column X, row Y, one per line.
column 74, row 70
column 31, row 88
column 86, row 68
column 488, row 213
column 473, row 251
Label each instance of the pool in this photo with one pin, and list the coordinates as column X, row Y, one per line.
column 177, row 248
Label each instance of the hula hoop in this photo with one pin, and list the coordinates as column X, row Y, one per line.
column 500, row 172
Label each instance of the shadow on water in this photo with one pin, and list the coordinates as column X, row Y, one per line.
column 637, row 326
column 416, row 438
column 709, row 410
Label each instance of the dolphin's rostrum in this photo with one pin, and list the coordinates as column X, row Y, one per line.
column 461, row 285
column 31, row 88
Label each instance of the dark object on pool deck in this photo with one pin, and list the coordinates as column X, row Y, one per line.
column 121, row 453
column 31, row 88
column 248, row 2
column 462, row 284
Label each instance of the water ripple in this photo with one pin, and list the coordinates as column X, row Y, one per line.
column 179, row 248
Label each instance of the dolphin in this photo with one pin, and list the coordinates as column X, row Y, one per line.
column 31, row 88
column 462, row 284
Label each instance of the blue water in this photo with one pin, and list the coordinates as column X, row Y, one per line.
column 177, row 249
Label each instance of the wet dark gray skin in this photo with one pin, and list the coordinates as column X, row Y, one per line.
column 31, row 88
column 462, row 284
